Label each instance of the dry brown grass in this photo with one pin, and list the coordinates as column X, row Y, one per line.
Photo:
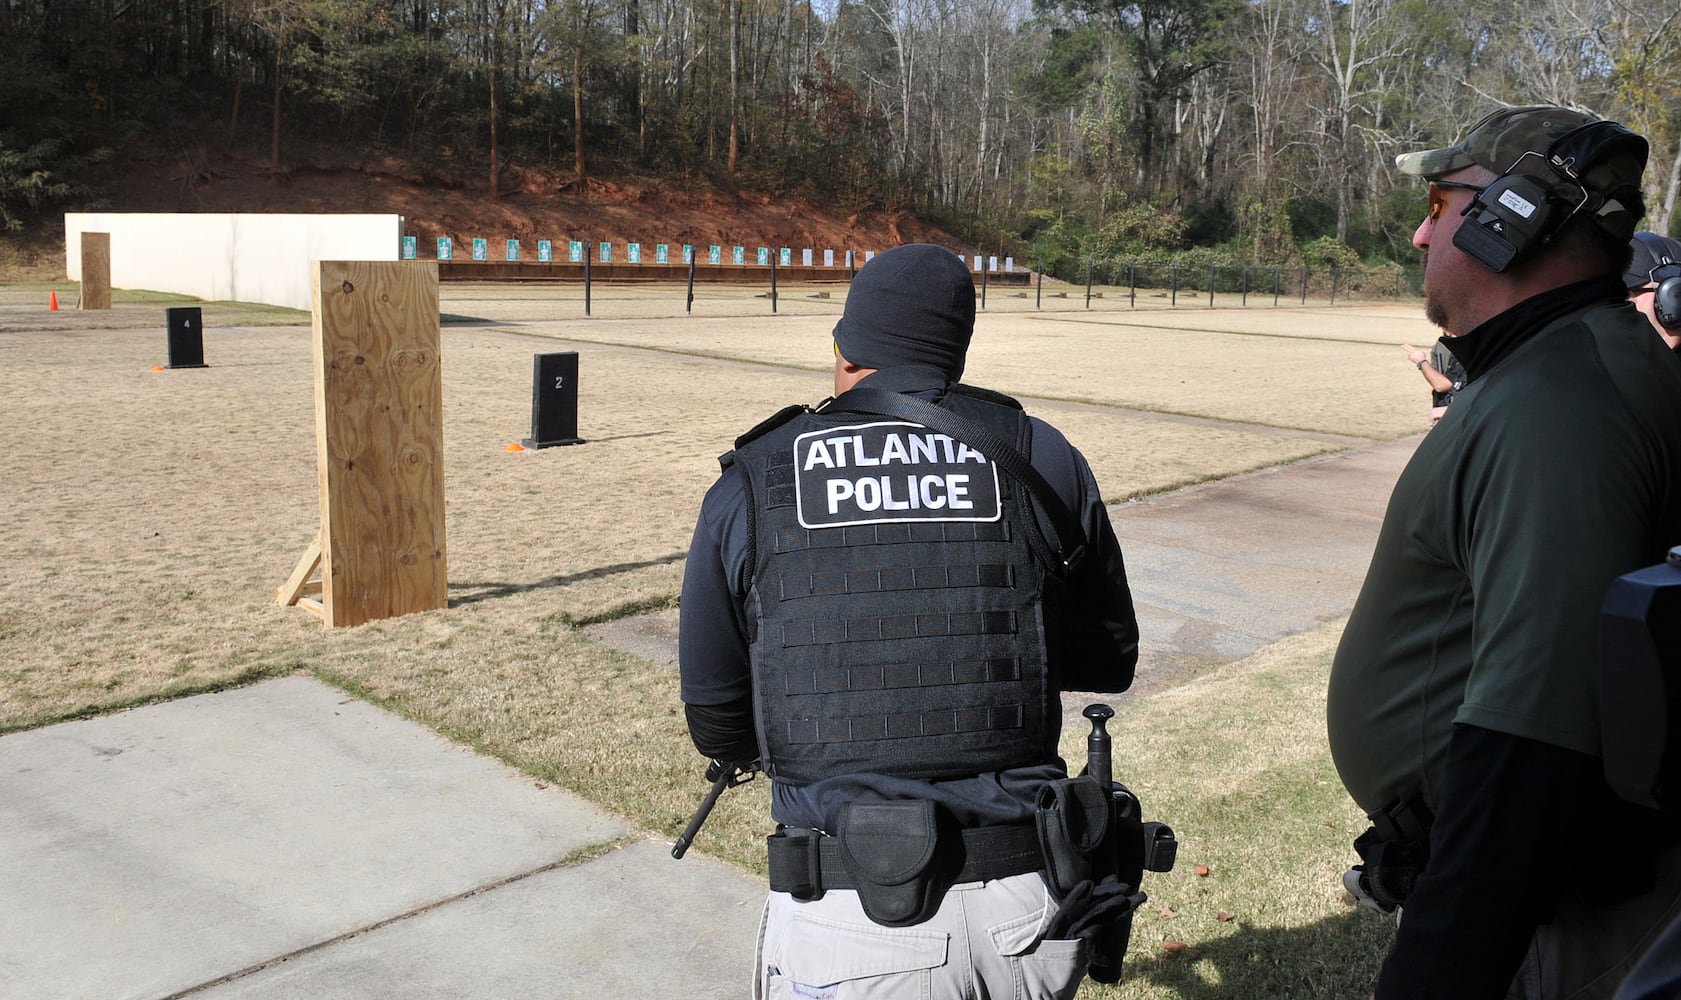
column 151, row 514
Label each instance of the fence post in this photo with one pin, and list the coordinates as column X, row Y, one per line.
column 1088, row 282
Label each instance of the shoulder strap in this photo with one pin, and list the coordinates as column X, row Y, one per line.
column 1070, row 536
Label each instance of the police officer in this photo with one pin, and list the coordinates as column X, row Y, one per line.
column 1463, row 700
column 877, row 609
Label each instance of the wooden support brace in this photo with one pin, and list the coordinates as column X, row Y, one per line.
column 299, row 588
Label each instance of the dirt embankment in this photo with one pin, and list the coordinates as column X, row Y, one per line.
column 533, row 204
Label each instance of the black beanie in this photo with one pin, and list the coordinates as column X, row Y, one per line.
column 911, row 305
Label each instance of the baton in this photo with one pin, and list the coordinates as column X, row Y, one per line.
column 1098, row 747
column 727, row 778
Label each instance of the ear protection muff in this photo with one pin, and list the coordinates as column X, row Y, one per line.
column 1507, row 218
column 1666, row 303
column 1519, row 212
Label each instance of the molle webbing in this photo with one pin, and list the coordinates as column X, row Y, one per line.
column 904, row 725
column 894, row 640
column 881, row 676
column 797, row 538
column 875, row 581
column 818, row 631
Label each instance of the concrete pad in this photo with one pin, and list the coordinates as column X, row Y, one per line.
column 634, row 923
column 148, row 852
column 1221, row 569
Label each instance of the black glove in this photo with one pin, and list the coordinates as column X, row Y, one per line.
column 1391, row 868
column 1099, row 914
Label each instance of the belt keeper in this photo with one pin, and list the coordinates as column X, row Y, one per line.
column 795, row 863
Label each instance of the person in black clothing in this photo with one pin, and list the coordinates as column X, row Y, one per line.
column 1463, row 702
column 1653, row 280
column 878, row 612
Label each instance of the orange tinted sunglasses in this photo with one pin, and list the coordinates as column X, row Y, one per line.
column 1439, row 198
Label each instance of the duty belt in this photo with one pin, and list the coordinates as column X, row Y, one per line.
column 808, row 862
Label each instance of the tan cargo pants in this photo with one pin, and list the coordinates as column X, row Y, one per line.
column 983, row 933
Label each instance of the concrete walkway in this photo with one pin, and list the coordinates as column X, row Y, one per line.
column 287, row 840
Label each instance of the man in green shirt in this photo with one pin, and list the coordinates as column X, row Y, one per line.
column 1462, row 709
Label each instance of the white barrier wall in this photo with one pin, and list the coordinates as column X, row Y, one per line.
column 239, row 258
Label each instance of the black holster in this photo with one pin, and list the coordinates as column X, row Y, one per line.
column 1395, row 850
column 1096, row 844
column 1073, row 821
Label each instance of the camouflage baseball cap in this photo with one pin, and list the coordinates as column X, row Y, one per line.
column 1500, row 141
column 1497, row 142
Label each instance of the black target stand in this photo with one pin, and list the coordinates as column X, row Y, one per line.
column 186, row 337
column 554, row 400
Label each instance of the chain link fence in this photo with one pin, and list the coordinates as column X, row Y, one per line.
column 1187, row 284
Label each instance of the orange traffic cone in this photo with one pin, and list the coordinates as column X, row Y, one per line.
column 52, row 303
column 514, row 446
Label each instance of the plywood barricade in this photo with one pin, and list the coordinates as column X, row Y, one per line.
column 379, row 444
column 96, row 271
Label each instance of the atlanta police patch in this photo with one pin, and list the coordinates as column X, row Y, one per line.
column 880, row 473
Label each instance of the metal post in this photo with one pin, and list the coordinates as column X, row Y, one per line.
column 1277, row 276
column 1174, row 274
column 773, row 283
column 1132, row 284
column 1304, row 284
column 983, row 288
column 1246, row 286
column 1212, row 269
column 1040, row 294
column 587, row 249
column 689, row 303
column 1088, row 282
column 1333, row 286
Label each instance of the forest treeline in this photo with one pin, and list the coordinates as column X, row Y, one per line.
column 1249, row 131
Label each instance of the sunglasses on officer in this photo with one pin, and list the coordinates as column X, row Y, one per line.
column 1439, row 198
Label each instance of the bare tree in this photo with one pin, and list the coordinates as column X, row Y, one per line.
column 1354, row 39
column 579, row 43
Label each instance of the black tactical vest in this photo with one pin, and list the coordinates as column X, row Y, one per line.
column 896, row 615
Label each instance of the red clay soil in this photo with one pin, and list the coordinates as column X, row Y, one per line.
column 533, row 205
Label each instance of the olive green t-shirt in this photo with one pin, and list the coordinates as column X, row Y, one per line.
column 1553, row 472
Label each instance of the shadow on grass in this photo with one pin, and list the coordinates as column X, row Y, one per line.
column 472, row 593
column 452, row 319
column 1336, row 958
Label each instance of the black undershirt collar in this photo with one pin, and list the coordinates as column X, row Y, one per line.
column 1496, row 338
